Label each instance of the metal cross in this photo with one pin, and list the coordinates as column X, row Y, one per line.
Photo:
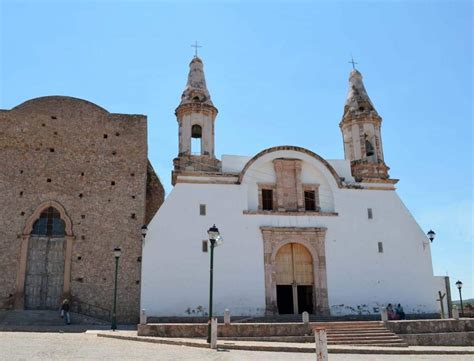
column 352, row 62
column 196, row 46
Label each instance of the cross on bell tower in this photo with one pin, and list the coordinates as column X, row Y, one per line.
column 196, row 46
column 353, row 62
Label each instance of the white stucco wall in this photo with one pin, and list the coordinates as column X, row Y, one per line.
column 234, row 163
column 175, row 271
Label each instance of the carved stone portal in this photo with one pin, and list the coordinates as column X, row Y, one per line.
column 313, row 238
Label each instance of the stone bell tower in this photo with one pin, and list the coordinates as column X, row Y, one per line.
column 360, row 126
column 196, row 115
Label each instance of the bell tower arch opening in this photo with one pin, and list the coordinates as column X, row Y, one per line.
column 196, row 140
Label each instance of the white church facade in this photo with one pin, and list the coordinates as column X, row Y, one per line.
column 301, row 233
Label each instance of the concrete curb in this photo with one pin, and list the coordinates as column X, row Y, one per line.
column 262, row 346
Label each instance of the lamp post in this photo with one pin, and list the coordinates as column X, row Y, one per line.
column 214, row 235
column 117, row 254
column 459, row 286
column 431, row 235
column 143, row 231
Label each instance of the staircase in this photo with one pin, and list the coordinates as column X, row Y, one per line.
column 355, row 333
column 372, row 333
column 43, row 318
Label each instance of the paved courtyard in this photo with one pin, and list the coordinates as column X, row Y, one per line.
column 81, row 346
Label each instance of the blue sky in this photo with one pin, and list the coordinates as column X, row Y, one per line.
column 277, row 71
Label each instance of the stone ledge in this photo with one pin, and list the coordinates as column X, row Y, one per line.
column 439, row 339
column 291, row 213
column 291, row 347
column 430, row 326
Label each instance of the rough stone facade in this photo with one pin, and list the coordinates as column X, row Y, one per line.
column 91, row 165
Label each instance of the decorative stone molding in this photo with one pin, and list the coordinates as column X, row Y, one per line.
column 36, row 214
column 195, row 108
column 313, row 238
column 304, row 213
column 314, row 188
column 288, row 184
column 363, row 168
column 271, row 186
column 292, row 148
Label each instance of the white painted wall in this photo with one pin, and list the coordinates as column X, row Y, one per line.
column 441, row 286
column 234, row 163
column 175, row 272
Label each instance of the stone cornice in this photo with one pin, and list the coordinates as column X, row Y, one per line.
column 195, row 108
column 360, row 118
column 291, row 213
column 293, row 229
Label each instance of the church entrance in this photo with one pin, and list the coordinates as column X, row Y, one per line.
column 44, row 278
column 294, row 279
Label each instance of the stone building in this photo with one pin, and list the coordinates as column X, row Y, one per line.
column 301, row 233
column 75, row 182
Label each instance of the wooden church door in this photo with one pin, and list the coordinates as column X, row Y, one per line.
column 45, row 263
column 294, row 279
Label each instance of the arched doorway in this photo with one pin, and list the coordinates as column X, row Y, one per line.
column 294, row 279
column 44, row 279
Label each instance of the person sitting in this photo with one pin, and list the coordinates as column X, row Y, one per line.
column 400, row 312
column 390, row 312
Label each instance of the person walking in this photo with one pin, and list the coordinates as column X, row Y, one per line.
column 65, row 311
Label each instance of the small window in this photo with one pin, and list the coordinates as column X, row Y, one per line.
column 204, row 246
column 380, row 247
column 202, row 209
column 369, row 213
column 310, row 200
column 267, row 199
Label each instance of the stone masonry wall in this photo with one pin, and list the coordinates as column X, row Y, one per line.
column 93, row 163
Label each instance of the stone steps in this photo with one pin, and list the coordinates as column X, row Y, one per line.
column 43, row 318
column 360, row 333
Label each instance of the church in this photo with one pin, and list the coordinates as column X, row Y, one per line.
column 300, row 232
column 75, row 182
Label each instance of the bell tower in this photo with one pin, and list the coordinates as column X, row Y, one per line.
column 360, row 126
column 196, row 115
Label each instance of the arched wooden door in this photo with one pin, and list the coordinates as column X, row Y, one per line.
column 294, row 279
column 45, row 262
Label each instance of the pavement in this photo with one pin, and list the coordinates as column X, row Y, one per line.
column 287, row 346
column 15, row 346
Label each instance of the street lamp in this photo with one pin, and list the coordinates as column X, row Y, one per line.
column 117, row 254
column 459, row 286
column 144, row 230
column 214, row 237
column 431, row 235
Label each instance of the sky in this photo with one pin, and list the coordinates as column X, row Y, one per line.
column 278, row 73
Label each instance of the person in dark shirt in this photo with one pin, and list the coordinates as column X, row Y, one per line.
column 400, row 312
column 65, row 311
